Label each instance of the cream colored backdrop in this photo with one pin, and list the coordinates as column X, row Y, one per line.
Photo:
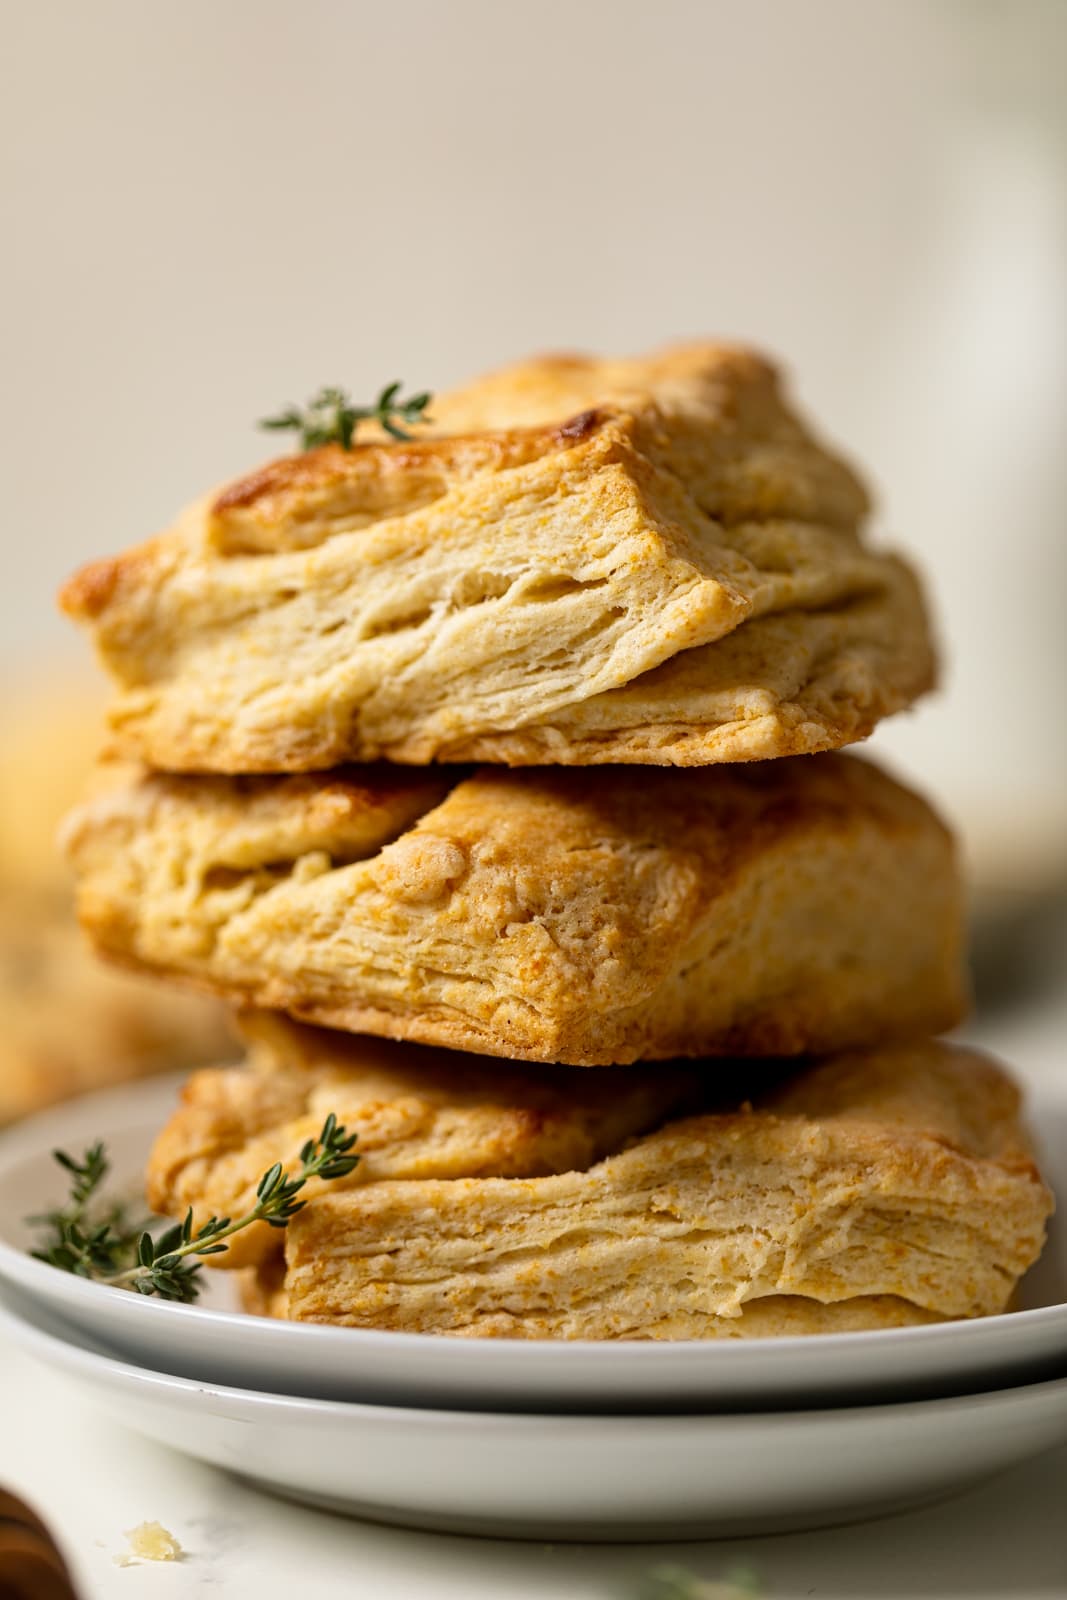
column 211, row 208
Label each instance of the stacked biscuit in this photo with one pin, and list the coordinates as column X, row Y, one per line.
column 634, row 1019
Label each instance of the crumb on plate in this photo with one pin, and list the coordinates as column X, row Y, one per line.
column 150, row 1541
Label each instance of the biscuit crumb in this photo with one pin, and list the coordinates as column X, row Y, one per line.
column 150, row 1541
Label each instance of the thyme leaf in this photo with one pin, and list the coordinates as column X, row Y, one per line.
column 330, row 417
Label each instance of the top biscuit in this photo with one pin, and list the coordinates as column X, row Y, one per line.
column 584, row 561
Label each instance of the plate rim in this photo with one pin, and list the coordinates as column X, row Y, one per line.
column 37, row 1278
column 80, row 1355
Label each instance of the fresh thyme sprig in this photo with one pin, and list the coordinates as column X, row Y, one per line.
column 108, row 1250
column 79, row 1245
column 331, row 418
column 88, row 1175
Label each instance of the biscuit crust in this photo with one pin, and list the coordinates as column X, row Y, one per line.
column 897, row 1179
column 591, row 561
column 588, row 917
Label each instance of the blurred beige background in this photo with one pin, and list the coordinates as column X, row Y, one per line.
column 213, row 208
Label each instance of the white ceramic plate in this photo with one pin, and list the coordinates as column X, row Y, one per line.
column 569, row 1477
column 213, row 1343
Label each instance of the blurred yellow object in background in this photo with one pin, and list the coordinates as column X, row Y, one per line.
column 67, row 1022
column 51, row 731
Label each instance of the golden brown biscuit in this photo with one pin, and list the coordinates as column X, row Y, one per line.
column 588, row 916
column 580, row 528
column 418, row 1112
column 899, row 1178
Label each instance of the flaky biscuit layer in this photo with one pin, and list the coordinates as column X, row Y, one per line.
column 899, row 1178
column 261, row 1291
column 646, row 561
column 590, row 916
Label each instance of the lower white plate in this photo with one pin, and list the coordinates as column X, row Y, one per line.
column 569, row 1477
column 212, row 1343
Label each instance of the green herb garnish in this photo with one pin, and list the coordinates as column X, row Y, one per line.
column 105, row 1247
column 330, row 417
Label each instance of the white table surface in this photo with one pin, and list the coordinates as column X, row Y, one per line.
column 91, row 1480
